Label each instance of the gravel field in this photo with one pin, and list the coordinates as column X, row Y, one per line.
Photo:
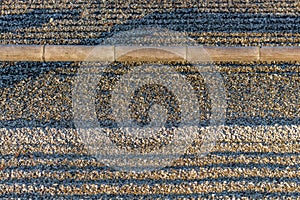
column 257, row 154
column 259, row 22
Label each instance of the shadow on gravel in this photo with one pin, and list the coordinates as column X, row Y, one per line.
column 183, row 20
column 190, row 20
column 34, row 19
column 12, row 74
column 193, row 22
column 75, row 171
column 248, row 194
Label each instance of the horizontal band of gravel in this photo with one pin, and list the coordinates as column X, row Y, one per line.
column 217, row 159
column 183, row 188
column 231, row 138
column 237, row 167
column 213, row 23
column 34, row 94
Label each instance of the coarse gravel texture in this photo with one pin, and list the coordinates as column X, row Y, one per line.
column 213, row 23
column 257, row 154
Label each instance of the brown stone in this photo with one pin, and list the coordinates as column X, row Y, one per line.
column 151, row 54
column 206, row 54
column 21, row 52
column 280, row 54
column 78, row 53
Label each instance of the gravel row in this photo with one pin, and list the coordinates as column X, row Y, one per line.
column 258, row 94
column 256, row 153
column 91, row 23
column 67, row 169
